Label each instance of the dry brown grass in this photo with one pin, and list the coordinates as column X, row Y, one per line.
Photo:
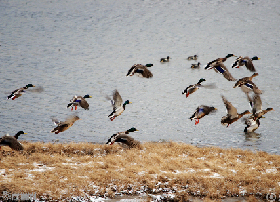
column 84, row 169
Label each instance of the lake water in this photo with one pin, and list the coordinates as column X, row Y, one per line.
column 76, row 48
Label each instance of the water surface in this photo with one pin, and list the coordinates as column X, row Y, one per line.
column 72, row 48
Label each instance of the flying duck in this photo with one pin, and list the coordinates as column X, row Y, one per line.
column 12, row 141
column 241, row 61
column 195, row 66
column 117, row 104
column 192, row 88
column 124, row 139
column 247, row 85
column 18, row 92
column 257, row 110
column 200, row 112
column 253, row 122
column 219, row 67
column 63, row 126
column 139, row 70
column 192, row 57
column 218, row 60
column 165, row 59
column 79, row 101
column 232, row 114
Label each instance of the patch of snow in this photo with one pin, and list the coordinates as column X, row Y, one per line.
column 234, row 171
column 190, row 170
column 215, row 175
column 142, row 172
column 271, row 170
column 2, row 171
column 42, row 168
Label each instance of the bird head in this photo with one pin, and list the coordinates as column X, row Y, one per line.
column 255, row 58
column 127, row 102
column 132, row 129
column 229, row 55
column 29, row 85
column 87, row 96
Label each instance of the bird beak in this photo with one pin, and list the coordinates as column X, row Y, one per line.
column 90, row 96
column 216, row 109
column 25, row 133
column 130, row 102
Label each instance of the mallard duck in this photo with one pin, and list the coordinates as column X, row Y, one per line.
column 139, row 70
column 63, row 126
column 218, row 60
column 257, row 110
column 232, row 114
column 241, row 61
column 12, row 141
column 165, row 59
column 192, row 57
column 192, row 88
column 18, row 92
column 247, row 85
column 200, row 112
column 79, row 101
column 251, row 124
column 219, row 67
column 124, row 138
column 117, row 105
column 195, row 66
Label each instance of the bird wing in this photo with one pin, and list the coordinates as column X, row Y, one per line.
column 257, row 104
column 221, row 68
column 211, row 64
column 191, row 89
column 11, row 142
column 131, row 70
column 38, row 89
column 249, row 64
column 232, row 111
column 117, row 100
column 236, row 62
column 84, row 104
column 251, row 86
column 207, row 109
column 70, row 120
column 144, row 71
column 55, row 121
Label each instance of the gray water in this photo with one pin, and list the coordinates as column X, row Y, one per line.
column 86, row 47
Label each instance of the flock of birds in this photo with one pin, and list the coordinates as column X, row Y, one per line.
column 246, row 84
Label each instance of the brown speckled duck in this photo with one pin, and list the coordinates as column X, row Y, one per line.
column 219, row 67
column 64, row 125
column 218, row 60
column 232, row 114
column 247, row 85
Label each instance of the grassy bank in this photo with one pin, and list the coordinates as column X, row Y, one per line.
column 60, row 171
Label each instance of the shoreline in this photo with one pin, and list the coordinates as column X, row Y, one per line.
column 59, row 171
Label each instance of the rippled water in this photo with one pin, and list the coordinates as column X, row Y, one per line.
column 77, row 48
